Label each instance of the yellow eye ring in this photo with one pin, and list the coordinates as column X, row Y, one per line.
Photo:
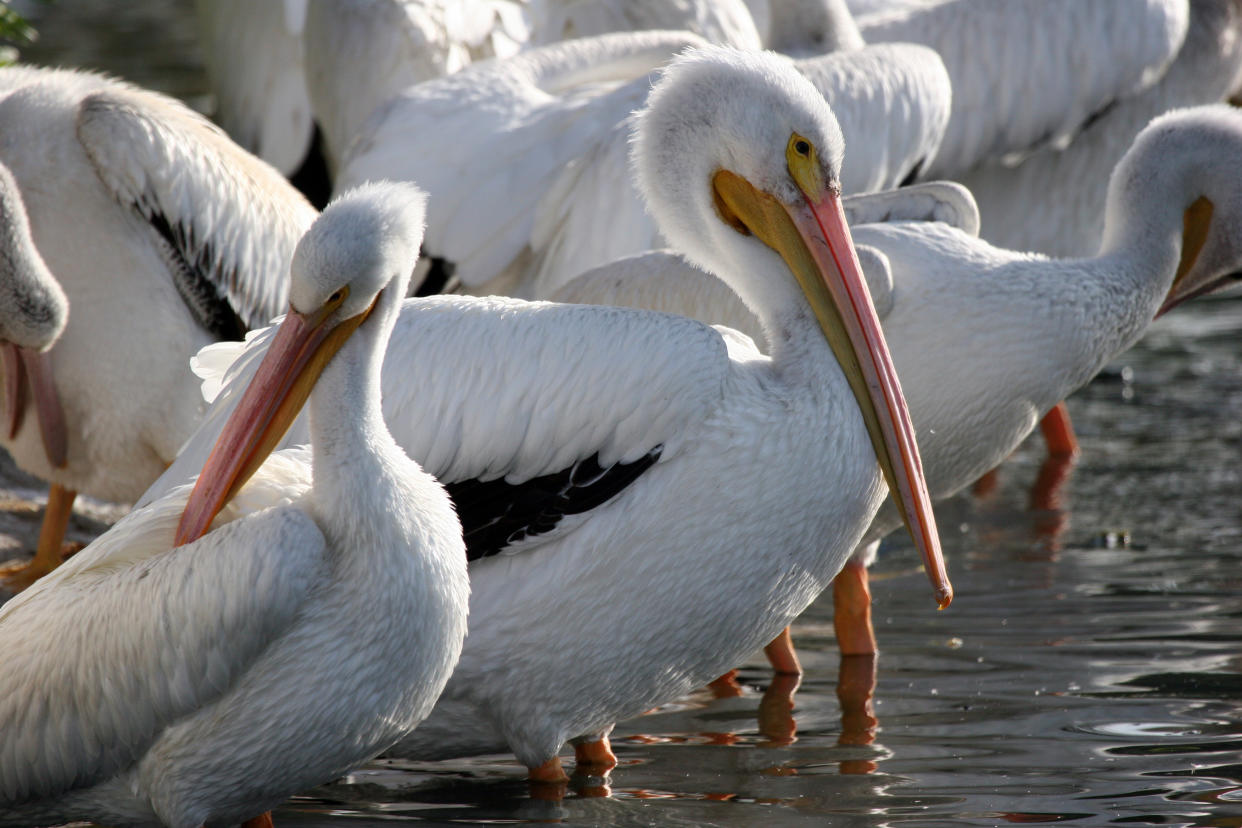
column 338, row 297
column 803, row 163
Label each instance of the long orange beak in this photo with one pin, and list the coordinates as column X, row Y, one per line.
column 303, row 345
column 815, row 243
column 22, row 364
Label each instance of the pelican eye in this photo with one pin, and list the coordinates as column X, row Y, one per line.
column 803, row 164
column 337, row 297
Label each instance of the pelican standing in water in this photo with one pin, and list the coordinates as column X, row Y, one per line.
column 164, row 676
column 164, row 236
column 644, row 499
column 988, row 339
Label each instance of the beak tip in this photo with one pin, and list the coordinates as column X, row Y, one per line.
column 944, row 598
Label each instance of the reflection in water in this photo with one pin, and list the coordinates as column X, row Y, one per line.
column 1090, row 668
column 856, row 679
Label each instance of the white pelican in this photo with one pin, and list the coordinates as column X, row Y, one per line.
column 1053, row 201
column 1026, row 74
column 625, row 463
column 525, row 160
column 164, row 236
column 202, row 681
column 986, row 339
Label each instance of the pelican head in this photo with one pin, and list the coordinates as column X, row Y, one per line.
column 33, row 308
column 352, row 265
column 736, row 148
column 1188, row 162
column 718, row 110
column 33, row 313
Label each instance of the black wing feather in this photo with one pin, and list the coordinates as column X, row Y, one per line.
column 495, row 514
column 195, row 279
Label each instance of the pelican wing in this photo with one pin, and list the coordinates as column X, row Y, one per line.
column 488, row 142
column 592, row 214
column 228, row 221
column 892, row 101
column 575, row 401
column 1025, row 74
column 131, row 634
column 253, row 53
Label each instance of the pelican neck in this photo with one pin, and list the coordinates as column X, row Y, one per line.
column 350, row 441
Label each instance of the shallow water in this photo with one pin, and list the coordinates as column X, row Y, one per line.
column 1089, row 671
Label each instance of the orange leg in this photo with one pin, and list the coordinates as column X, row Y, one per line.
column 592, row 762
column 851, row 617
column 597, row 756
column 550, row 772
column 549, row 781
column 782, row 656
column 726, row 687
column 50, row 551
column 1058, row 432
column 263, row 820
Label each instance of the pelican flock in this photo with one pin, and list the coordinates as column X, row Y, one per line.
column 755, row 201
column 723, row 330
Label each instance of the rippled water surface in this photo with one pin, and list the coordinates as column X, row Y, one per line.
column 1090, row 670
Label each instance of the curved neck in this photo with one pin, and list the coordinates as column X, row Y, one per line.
column 1097, row 307
column 352, row 447
column 1139, row 256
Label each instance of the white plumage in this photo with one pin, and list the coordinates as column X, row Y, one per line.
column 732, row 454
column 359, row 53
column 811, row 27
column 1025, row 74
column 153, row 684
column 525, row 160
column 724, row 22
column 253, row 57
column 1053, row 201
